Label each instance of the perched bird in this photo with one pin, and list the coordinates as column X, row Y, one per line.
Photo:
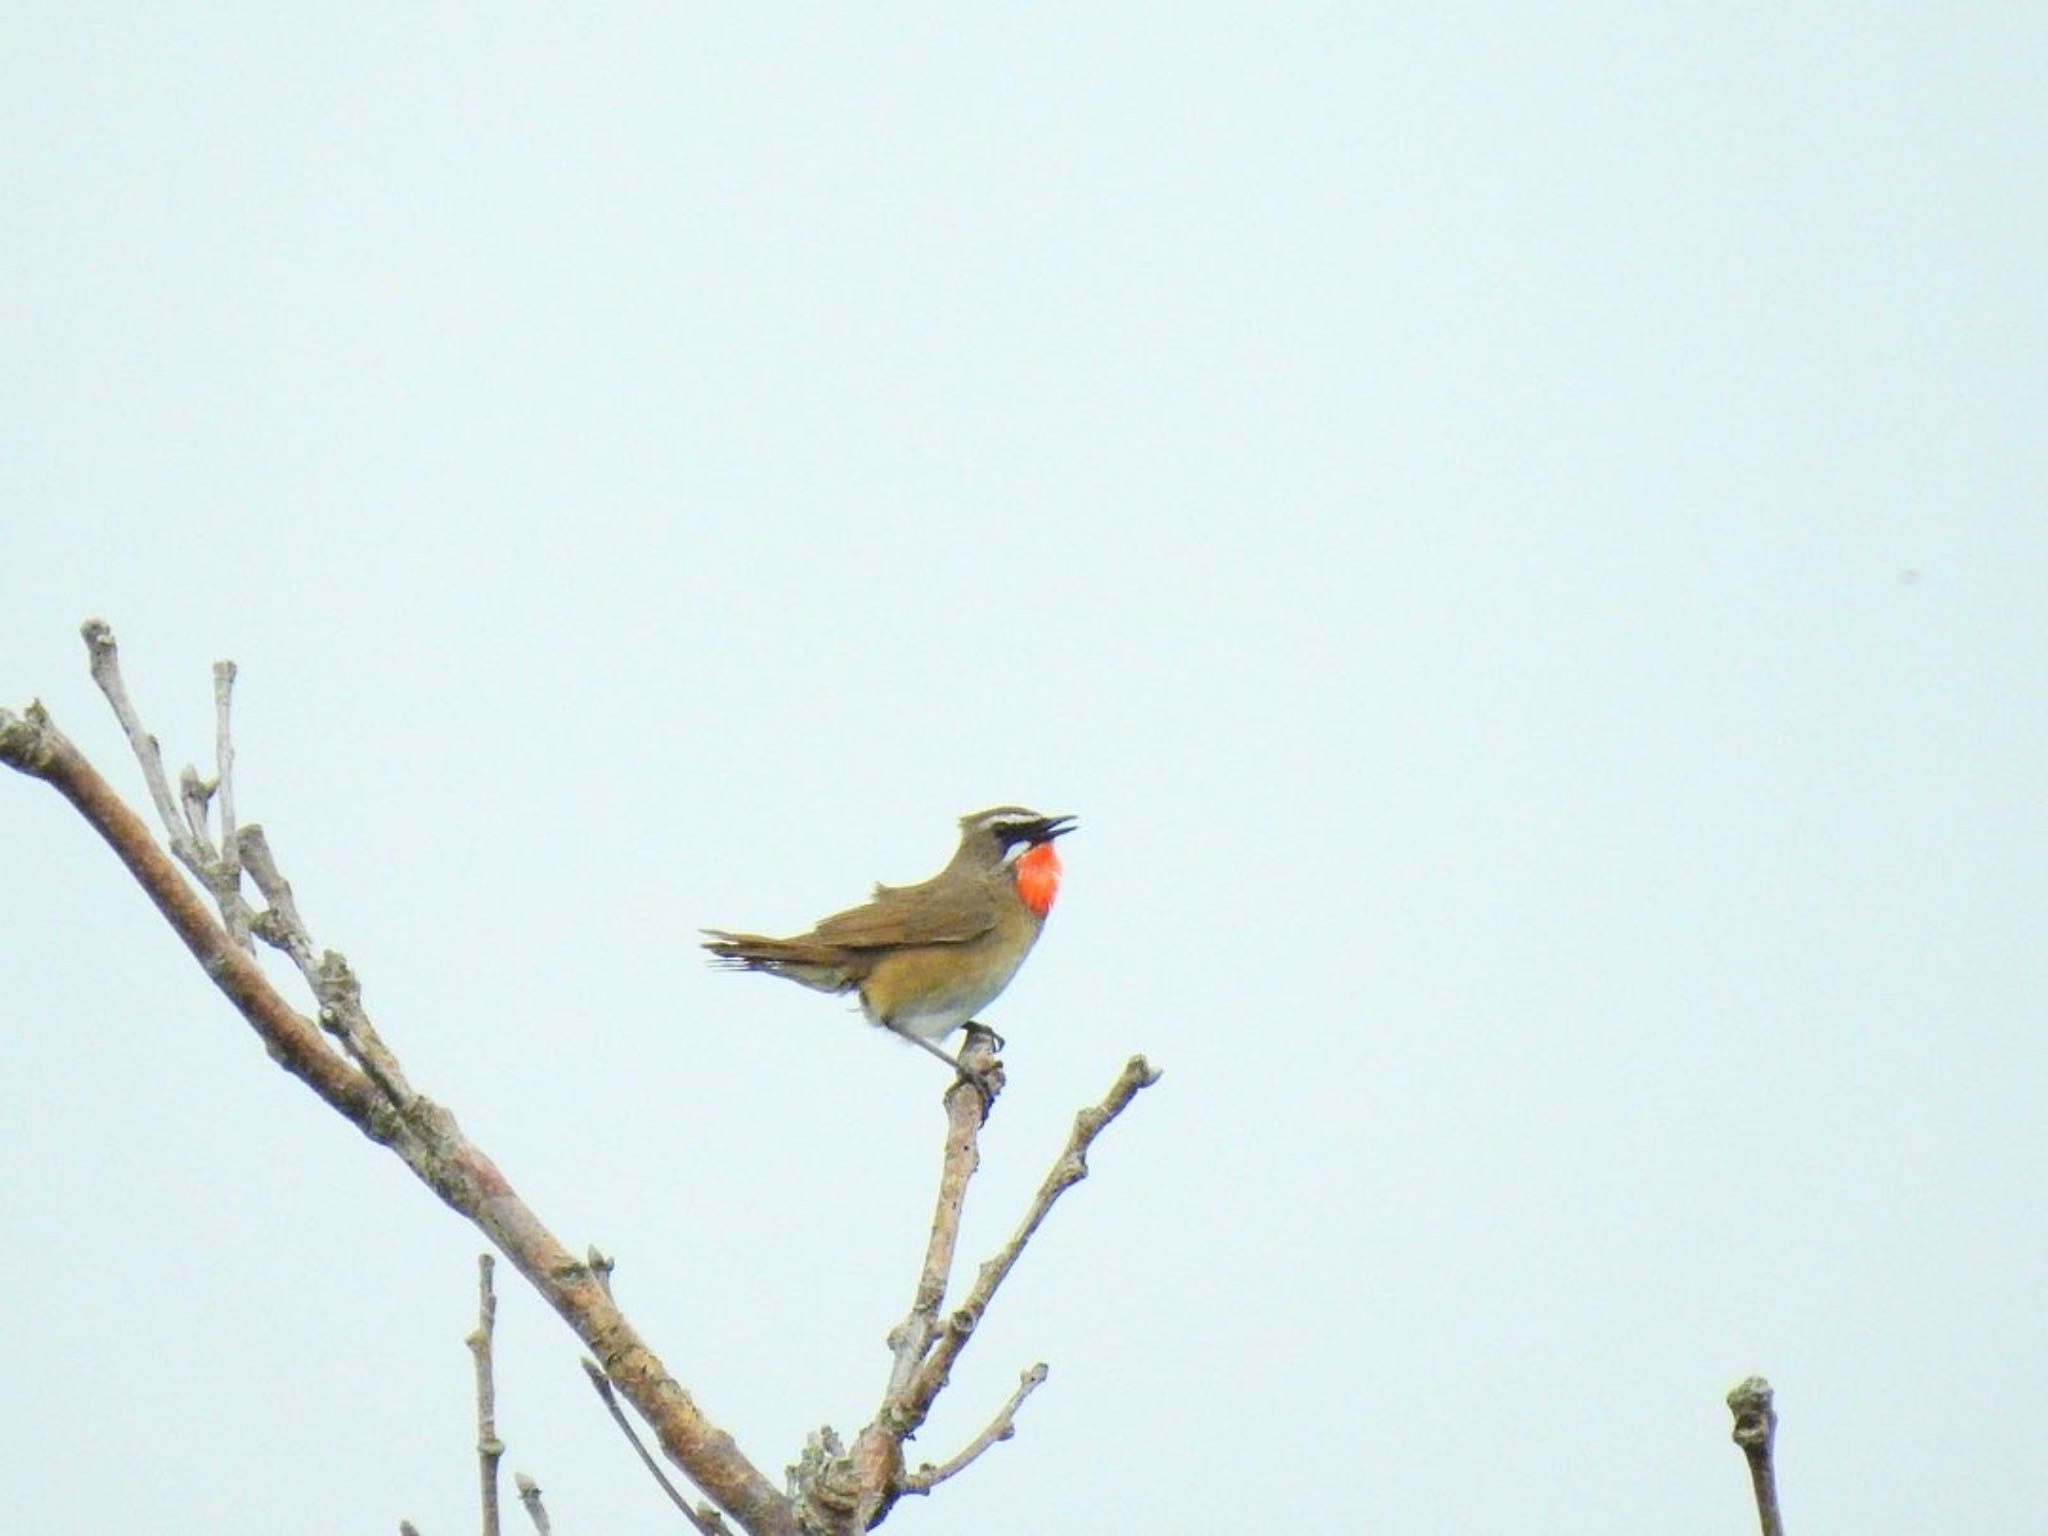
column 925, row 958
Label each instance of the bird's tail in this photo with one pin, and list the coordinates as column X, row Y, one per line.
column 747, row 951
column 809, row 964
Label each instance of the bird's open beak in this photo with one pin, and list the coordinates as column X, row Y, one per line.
column 1052, row 827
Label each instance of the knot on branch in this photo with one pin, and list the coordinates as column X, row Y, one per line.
column 823, row 1484
column 29, row 742
column 382, row 1123
column 337, row 982
column 963, row 1320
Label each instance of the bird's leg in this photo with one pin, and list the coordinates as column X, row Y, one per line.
column 996, row 1043
column 982, row 1081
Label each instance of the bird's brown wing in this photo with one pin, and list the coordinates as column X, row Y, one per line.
column 911, row 914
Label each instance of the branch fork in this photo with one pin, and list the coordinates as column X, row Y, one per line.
column 858, row 1490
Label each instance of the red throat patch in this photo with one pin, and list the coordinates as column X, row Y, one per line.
column 1038, row 878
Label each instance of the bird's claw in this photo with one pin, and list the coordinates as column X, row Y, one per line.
column 996, row 1042
column 982, row 1045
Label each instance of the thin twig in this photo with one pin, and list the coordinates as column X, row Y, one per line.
column 529, row 1495
column 105, row 664
column 342, row 1016
column 1002, row 1427
column 707, row 1520
column 228, row 865
column 1756, row 1430
column 330, row 977
column 490, row 1450
column 407, row 1528
column 219, row 869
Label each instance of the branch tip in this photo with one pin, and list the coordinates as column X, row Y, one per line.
column 529, row 1495
column 1756, row 1430
column 1002, row 1427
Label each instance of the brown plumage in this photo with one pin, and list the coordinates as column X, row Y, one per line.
column 924, row 958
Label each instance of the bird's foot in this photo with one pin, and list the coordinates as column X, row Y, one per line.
column 977, row 1063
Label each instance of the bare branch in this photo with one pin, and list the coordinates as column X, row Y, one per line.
column 195, row 795
column 706, row 1520
column 529, row 1495
column 1756, row 1431
column 966, row 1113
column 279, row 924
column 490, row 1450
column 407, row 1528
column 330, row 977
column 421, row 1133
column 1002, row 1427
column 855, row 1492
column 342, row 1016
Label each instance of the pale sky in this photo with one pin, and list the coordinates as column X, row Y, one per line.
column 1520, row 535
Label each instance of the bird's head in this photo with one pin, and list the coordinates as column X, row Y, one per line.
column 1008, row 831
column 1020, row 841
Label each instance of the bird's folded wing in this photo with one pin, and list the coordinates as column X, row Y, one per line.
column 911, row 914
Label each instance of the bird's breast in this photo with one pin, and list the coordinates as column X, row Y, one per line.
column 931, row 990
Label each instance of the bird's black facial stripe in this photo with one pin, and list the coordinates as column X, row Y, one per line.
column 1015, row 826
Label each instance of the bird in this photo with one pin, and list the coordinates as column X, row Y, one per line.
column 926, row 958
